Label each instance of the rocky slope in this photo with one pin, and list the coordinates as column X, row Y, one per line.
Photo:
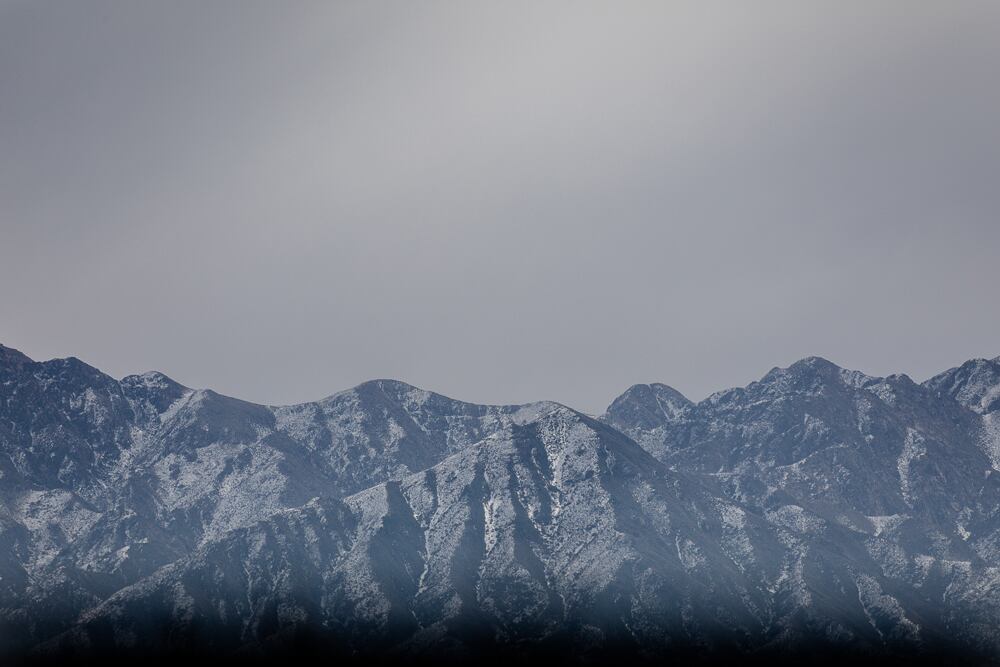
column 815, row 509
column 904, row 473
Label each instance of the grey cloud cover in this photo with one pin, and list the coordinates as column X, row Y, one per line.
column 499, row 201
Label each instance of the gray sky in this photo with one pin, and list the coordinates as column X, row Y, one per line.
column 502, row 201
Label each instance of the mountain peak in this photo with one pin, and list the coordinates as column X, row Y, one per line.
column 397, row 515
column 647, row 405
column 811, row 370
column 655, row 391
column 975, row 384
column 151, row 379
column 9, row 357
column 388, row 385
column 814, row 363
column 154, row 388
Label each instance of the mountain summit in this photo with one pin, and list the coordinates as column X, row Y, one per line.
column 816, row 510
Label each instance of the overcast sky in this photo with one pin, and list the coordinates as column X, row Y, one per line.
column 502, row 202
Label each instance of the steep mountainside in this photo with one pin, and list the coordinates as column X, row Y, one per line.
column 906, row 468
column 815, row 509
column 976, row 385
column 103, row 482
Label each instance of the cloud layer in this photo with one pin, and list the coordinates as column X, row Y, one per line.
column 503, row 202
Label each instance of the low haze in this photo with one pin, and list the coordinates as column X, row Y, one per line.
column 502, row 202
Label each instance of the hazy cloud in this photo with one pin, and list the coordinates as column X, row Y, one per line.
column 499, row 201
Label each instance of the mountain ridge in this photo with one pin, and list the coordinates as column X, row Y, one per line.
column 9, row 355
column 815, row 506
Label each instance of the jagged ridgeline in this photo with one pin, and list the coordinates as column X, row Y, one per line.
column 818, row 511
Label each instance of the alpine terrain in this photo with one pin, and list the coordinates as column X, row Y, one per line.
column 816, row 512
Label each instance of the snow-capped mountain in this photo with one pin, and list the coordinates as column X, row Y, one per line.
column 818, row 509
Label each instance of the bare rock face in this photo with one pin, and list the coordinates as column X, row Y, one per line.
column 901, row 479
column 817, row 509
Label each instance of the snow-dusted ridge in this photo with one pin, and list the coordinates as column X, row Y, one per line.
column 816, row 505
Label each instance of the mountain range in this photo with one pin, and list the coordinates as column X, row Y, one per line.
column 817, row 511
